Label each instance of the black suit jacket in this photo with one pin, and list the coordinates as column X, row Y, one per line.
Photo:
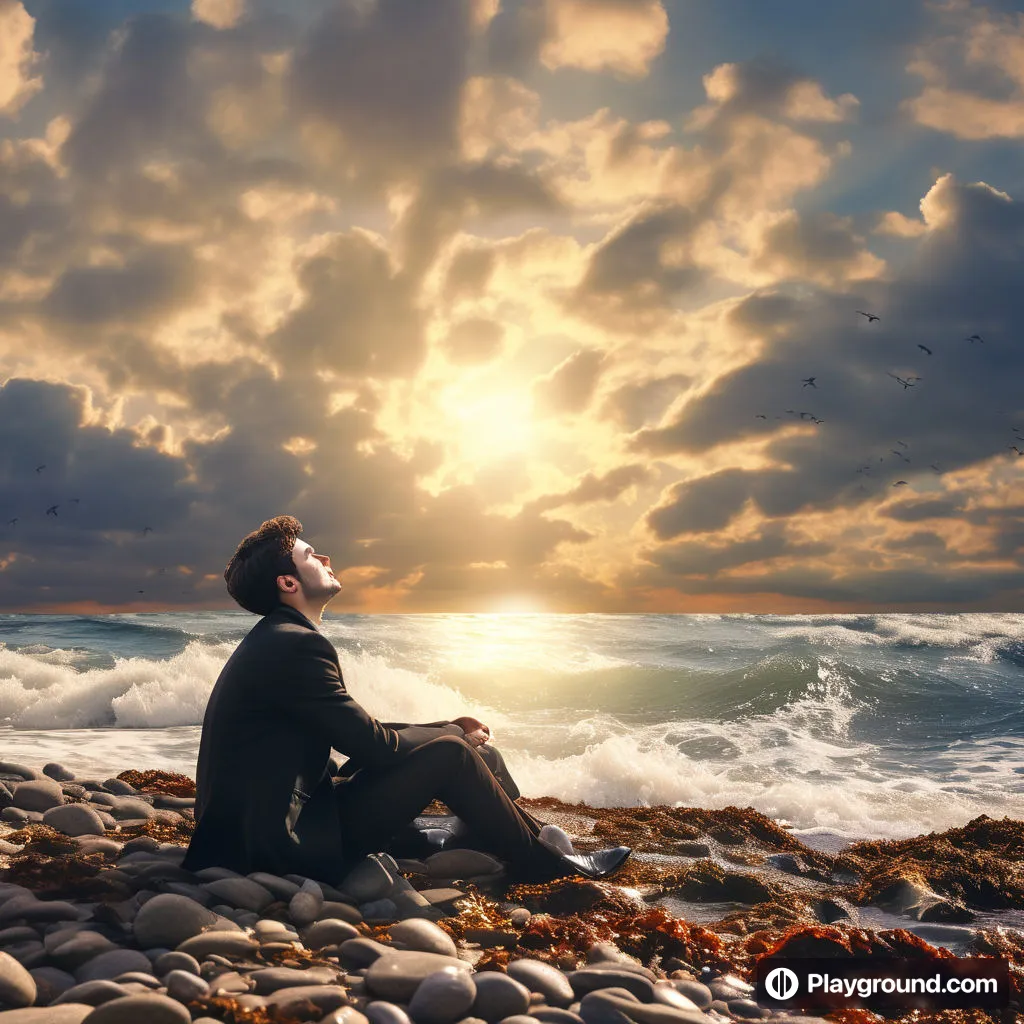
column 264, row 792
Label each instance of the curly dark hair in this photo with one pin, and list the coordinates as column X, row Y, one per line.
column 263, row 555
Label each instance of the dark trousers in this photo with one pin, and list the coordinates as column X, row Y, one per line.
column 374, row 804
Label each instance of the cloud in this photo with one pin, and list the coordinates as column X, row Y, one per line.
column 569, row 387
column 973, row 73
column 474, row 340
column 218, row 13
column 635, row 404
column 621, row 36
column 595, row 487
column 17, row 58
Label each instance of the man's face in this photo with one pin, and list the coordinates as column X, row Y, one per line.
column 316, row 579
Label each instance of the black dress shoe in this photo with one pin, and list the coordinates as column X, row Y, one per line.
column 599, row 863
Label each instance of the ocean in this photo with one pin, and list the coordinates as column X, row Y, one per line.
column 842, row 726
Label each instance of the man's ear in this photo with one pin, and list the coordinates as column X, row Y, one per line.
column 289, row 584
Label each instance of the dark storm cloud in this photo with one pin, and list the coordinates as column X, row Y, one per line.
column 153, row 282
column 699, row 558
column 358, row 317
column 926, row 508
column 811, row 246
column 594, row 487
column 962, row 280
column 387, row 80
column 449, row 195
column 635, row 404
column 700, row 505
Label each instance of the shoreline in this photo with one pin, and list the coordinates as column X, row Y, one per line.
column 706, row 893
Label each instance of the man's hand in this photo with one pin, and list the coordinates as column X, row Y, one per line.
column 476, row 732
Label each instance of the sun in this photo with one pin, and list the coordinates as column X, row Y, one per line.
column 489, row 427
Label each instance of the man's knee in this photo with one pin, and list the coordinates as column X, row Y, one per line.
column 453, row 749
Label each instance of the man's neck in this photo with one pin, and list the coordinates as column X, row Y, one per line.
column 315, row 615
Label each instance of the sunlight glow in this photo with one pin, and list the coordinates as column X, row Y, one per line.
column 490, row 427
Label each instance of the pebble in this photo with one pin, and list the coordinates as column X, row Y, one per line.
column 38, row 795
column 462, row 864
column 611, row 1007
column 110, row 964
column 396, row 975
column 153, row 1009
column 381, row 1012
column 540, row 977
column 424, row 936
column 443, row 996
column 184, row 985
column 589, row 979
column 74, row 820
column 17, row 986
column 68, row 1013
column 328, row 932
column 498, row 997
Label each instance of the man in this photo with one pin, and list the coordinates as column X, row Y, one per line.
column 266, row 800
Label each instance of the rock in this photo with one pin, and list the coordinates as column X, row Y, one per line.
column 109, row 965
column 379, row 910
column 184, row 986
column 693, row 849
column 270, row 979
column 381, row 1012
column 143, row 978
column 281, row 888
column 92, row 992
column 613, row 1007
column 152, row 1008
column 38, row 795
column 324, row 997
column 16, row 816
column 667, row 994
column 17, row 986
column 328, row 932
column 520, row 917
column 22, row 771
column 409, row 903
column 833, row 908
column 50, row 983
column 120, row 787
column 443, row 996
column 919, row 902
column 589, row 979
column 27, row 907
column 369, row 880
column 226, row 943
column 175, row 961
column 78, row 948
column 747, row 1009
column 241, row 892
column 462, row 864
column 362, row 952
column 397, row 974
column 424, row 936
column 91, row 844
column 540, row 977
column 58, row 772
column 498, row 996
column 169, row 919
column 67, row 1013
column 339, row 911
column 303, row 907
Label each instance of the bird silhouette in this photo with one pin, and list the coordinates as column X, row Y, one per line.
column 899, row 454
column 936, row 468
column 147, row 529
column 904, row 443
column 12, row 522
column 39, row 469
column 924, row 348
column 809, row 382
column 870, row 316
column 1014, row 448
column 139, row 591
column 760, row 416
column 975, row 337
column 52, row 511
column 900, row 483
column 74, row 501
column 906, row 383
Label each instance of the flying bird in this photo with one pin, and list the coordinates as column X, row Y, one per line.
column 12, row 522
column 936, row 468
column 924, row 348
column 906, row 383
column 52, row 511
column 147, row 529
column 870, row 316
column 39, row 469
column 904, row 443
column 975, row 337
column 760, row 416
column 809, row 382
column 900, row 483
column 139, row 591
column 1014, row 448
column 899, row 454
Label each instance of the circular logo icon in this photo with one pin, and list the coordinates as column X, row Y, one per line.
column 782, row 983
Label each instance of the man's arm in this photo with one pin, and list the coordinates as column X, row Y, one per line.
column 316, row 695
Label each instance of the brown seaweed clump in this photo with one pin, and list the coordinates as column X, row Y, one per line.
column 52, row 863
column 658, row 829
column 180, row 832
column 232, row 1012
column 156, row 781
column 573, row 896
column 980, row 864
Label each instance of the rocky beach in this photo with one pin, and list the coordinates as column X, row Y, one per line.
column 99, row 923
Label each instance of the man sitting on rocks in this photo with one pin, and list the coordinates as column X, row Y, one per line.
column 265, row 798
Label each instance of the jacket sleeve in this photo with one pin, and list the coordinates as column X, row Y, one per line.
column 317, row 697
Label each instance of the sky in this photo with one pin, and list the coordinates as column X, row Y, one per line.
column 518, row 305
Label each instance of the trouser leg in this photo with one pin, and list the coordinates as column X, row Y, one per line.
column 375, row 803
